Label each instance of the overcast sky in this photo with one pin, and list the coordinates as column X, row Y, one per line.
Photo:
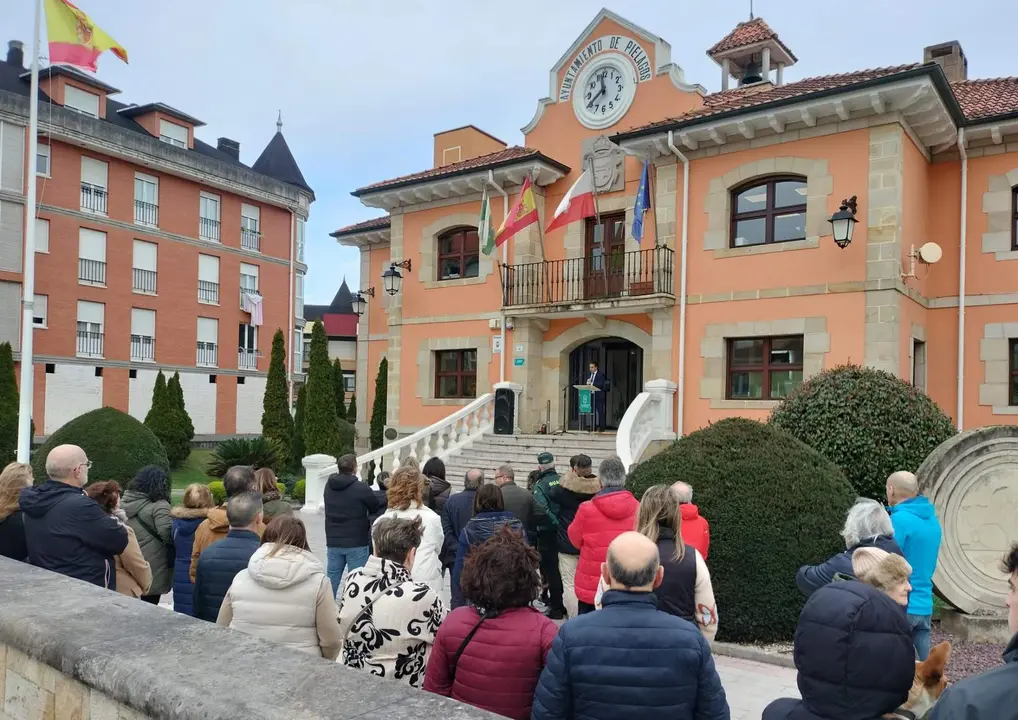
column 363, row 86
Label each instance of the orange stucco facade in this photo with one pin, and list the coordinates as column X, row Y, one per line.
column 794, row 304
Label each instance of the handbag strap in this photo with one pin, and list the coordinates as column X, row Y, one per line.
column 466, row 641
column 367, row 607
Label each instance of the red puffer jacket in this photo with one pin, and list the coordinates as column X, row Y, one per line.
column 500, row 666
column 599, row 521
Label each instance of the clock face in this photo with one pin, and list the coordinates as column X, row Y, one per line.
column 604, row 93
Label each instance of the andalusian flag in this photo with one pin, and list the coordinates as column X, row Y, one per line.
column 521, row 214
column 485, row 231
column 74, row 39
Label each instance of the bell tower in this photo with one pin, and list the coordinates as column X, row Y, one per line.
column 750, row 53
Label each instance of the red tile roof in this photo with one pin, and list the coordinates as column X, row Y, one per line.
column 502, row 157
column 748, row 33
column 378, row 223
column 987, row 98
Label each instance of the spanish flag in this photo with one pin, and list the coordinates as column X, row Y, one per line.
column 521, row 214
column 74, row 39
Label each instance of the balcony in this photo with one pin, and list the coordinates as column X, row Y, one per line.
column 636, row 280
column 91, row 272
column 208, row 292
column 144, row 281
column 251, row 240
column 93, row 198
column 247, row 290
column 247, row 359
column 208, row 229
column 90, row 344
column 146, row 213
column 208, row 355
column 143, row 348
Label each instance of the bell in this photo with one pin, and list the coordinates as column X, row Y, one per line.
column 751, row 74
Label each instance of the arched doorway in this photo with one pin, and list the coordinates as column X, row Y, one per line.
column 622, row 363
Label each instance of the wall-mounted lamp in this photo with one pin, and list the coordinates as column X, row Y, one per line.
column 843, row 222
column 392, row 279
column 358, row 301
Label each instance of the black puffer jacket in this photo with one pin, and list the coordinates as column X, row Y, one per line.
column 571, row 492
column 349, row 505
column 854, row 653
column 811, row 578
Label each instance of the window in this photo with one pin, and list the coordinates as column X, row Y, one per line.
column 769, row 211
column 42, row 159
column 172, row 133
column 146, row 255
column 91, row 257
column 247, row 356
column 1012, row 366
column 458, row 254
column 301, row 229
column 248, row 278
column 146, row 200
column 12, row 157
column 143, row 335
column 208, row 342
column 298, row 286
column 208, row 279
column 456, row 374
column 81, row 101
column 349, row 381
column 250, row 237
column 41, row 235
column 764, row 368
column 919, row 364
column 298, row 348
column 208, row 220
column 40, row 307
column 1014, row 218
column 90, row 328
column 93, row 185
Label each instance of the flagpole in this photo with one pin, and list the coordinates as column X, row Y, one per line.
column 597, row 219
column 28, row 301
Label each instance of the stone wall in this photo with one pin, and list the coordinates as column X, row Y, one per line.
column 72, row 651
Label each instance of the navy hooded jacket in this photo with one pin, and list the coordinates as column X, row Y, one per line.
column 629, row 660
column 68, row 533
column 811, row 578
column 217, row 567
column 478, row 529
column 854, row 654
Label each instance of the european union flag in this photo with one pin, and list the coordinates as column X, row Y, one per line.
column 642, row 202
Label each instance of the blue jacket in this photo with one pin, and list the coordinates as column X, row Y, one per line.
column 217, row 566
column 629, row 660
column 992, row 695
column 480, row 527
column 811, row 578
column 917, row 530
column 185, row 522
column 456, row 513
column 854, row 654
column 67, row 532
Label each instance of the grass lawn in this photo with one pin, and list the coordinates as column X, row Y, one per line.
column 193, row 470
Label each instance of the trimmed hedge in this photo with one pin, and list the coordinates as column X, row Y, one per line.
column 773, row 504
column 300, row 490
column 866, row 421
column 321, row 424
column 218, row 491
column 116, row 443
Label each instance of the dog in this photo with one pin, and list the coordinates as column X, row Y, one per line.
column 927, row 687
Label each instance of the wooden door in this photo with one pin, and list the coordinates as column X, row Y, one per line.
column 605, row 248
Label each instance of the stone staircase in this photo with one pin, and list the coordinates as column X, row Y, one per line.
column 521, row 451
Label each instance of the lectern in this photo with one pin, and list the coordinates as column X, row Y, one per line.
column 585, row 406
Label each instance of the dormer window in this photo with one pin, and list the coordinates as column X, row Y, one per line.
column 172, row 133
column 81, row 101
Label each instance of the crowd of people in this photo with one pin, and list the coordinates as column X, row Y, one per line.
column 630, row 577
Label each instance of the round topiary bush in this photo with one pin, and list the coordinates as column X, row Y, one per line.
column 773, row 504
column 218, row 491
column 299, row 490
column 116, row 443
column 866, row 421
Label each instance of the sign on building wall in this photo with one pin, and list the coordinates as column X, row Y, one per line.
column 607, row 43
column 496, row 344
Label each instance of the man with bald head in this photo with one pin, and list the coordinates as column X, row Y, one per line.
column 629, row 659
column 66, row 531
column 917, row 532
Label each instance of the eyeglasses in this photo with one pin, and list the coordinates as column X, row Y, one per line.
column 87, row 465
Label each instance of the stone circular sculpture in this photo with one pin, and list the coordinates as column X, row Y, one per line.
column 972, row 479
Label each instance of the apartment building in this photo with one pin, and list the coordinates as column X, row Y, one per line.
column 154, row 250
column 739, row 289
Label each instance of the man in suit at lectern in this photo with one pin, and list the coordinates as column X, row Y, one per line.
column 597, row 379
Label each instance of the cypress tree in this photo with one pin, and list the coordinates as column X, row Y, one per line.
column 9, row 400
column 166, row 421
column 158, row 396
column 339, row 388
column 321, row 425
column 351, row 411
column 379, row 407
column 297, row 444
column 277, row 424
column 177, row 393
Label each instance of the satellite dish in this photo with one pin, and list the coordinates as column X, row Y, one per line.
column 392, row 434
column 930, row 253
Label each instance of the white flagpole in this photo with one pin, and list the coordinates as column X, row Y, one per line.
column 27, row 321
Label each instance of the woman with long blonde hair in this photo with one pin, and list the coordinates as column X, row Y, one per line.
column 406, row 501
column 686, row 589
column 14, row 478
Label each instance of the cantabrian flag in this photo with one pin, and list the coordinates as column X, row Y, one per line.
column 74, row 39
column 485, row 230
column 521, row 214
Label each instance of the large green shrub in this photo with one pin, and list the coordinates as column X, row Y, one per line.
column 321, row 425
column 378, row 409
column 347, row 436
column 297, row 445
column 300, row 490
column 9, row 400
column 866, row 421
column 256, row 452
column 773, row 505
column 277, row 423
column 167, row 422
column 116, row 443
column 218, row 490
column 177, row 396
column 339, row 387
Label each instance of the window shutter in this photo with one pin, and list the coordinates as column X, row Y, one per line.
column 146, row 189
column 250, row 271
column 41, row 235
column 12, row 154
column 145, row 255
column 208, row 330
column 40, row 309
column 250, row 211
column 91, row 312
column 78, row 99
column 208, row 207
column 91, row 245
column 208, row 268
column 11, row 222
column 143, row 322
column 93, row 171
column 173, row 131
